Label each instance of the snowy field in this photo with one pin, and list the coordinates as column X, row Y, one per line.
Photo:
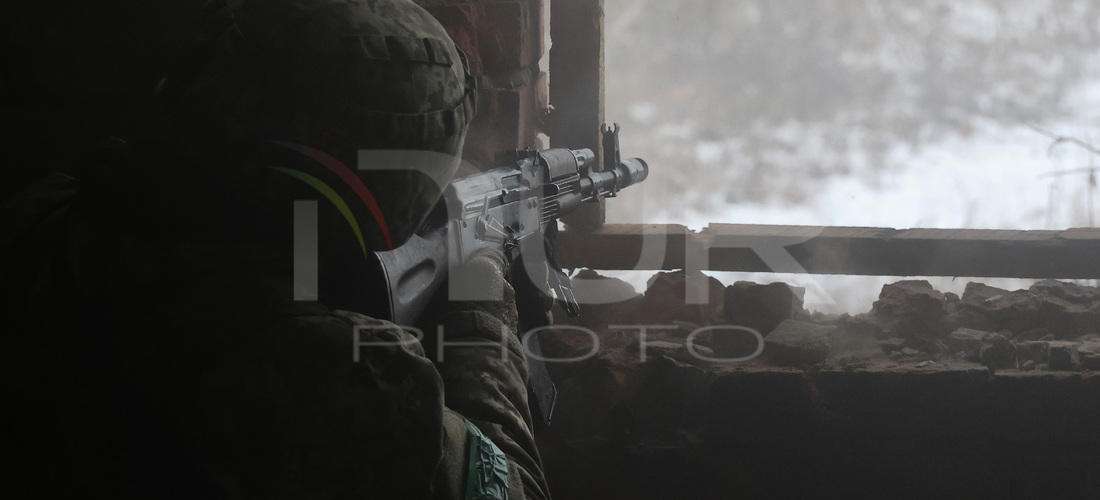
column 996, row 177
column 971, row 171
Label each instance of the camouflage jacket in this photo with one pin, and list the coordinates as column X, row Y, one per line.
column 175, row 366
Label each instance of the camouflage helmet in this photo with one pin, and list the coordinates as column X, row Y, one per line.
column 339, row 78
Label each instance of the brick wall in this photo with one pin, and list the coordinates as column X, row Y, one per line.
column 504, row 41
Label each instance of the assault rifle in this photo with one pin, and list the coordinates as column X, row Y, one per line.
column 514, row 208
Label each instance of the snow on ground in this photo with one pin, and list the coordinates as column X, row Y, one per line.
column 959, row 170
column 990, row 175
column 987, row 179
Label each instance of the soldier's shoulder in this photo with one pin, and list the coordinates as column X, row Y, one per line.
column 315, row 316
column 353, row 331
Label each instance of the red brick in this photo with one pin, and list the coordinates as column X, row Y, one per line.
column 496, row 127
column 504, row 36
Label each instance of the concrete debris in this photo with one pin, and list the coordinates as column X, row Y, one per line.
column 591, row 287
column 863, row 325
column 926, row 345
column 1092, row 337
column 1034, row 351
column 911, row 320
column 998, row 353
column 910, row 355
column 892, row 344
column 797, row 343
column 762, row 307
column 853, row 358
column 1069, row 291
column 1090, row 355
column 1063, row 356
column 910, row 323
column 988, row 308
column 1064, row 310
column 1070, row 318
column 910, row 309
column 674, row 297
column 907, row 368
column 968, row 341
column 697, row 355
column 1035, row 334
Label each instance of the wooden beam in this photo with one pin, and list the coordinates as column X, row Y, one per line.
column 1068, row 254
column 576, row 88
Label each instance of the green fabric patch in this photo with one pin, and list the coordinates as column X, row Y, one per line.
column 487, row 476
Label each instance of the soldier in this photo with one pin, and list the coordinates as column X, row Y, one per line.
column 155, row 348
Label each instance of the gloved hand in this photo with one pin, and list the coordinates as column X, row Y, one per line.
column 482, row 309
column 482, row 286
column 518, row 294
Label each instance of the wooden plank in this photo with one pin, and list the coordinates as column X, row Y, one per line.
column 576, row 88
column 1068, row 254
column 621, row 246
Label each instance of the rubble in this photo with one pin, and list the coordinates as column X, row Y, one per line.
column 697, row 355
column 666, row 299
column 1069, row 318
column 910, row 323
column 1048, row 308
column 989, row 308
column 968, row 341
column 911, row 319
column 1035, row 334
column 926, row 345
column 862, row 324
column 1071, row 292
column 1089, row 353
column 910, row 309
column 909, row 351
column 1063, row 355
column 1034, row 351
column 892, row 344
column 762, row 307
column 990, row 356
column 1092, row 337
column 910, row 355
column 797, row 343
column 998, row 353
